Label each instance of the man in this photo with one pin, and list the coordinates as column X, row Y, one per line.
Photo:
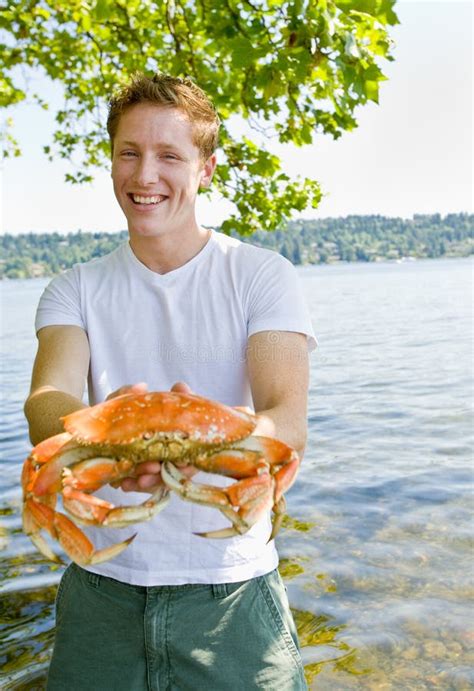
column 186, row 308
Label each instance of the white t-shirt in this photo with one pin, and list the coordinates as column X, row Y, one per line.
column 191, row 324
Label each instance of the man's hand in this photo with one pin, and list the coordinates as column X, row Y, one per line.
column 148, row 475
column 141, row 387
column 245, row 409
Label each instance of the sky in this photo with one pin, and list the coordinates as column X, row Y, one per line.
column 412, row 153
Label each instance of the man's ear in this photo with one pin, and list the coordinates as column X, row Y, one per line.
column 208, row 171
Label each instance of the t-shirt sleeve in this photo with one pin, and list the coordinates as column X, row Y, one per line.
column 276, row 301
column 60, row 302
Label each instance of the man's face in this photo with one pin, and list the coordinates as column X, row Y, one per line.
column 157, row 170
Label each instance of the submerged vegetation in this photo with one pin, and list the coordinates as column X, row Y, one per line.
column 353, row 238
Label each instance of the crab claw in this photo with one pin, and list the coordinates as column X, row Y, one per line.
column 32, row 528
column 74, row 542
column 43, row 451
column 243, row 503
column 91, row 510
column 279, row 510
column 79, row 548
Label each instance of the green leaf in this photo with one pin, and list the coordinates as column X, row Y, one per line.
column 243, row 52
column 297, row 66
column 372, row 91
column 86, row 22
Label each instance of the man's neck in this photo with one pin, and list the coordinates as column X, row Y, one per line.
column 168, row 252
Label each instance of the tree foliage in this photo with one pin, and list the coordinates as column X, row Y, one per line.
column 354, row 238
column 291, row 68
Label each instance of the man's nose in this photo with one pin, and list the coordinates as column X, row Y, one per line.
column 147, row 171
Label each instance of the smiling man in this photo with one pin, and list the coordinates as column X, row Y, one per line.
column 176, row 303
column 157, row 169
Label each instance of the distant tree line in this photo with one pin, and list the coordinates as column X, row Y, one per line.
column 353, row 238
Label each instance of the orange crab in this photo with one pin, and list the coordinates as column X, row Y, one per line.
column 104, row 443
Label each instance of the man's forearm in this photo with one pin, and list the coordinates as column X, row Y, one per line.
column 276, row 422
column 43, row 410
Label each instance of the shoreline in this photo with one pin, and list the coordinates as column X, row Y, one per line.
column 332, row 262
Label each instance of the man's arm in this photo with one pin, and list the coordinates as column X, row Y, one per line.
column 278, row 367
column 58, row 380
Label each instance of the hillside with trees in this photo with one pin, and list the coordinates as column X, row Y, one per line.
column 329, row 240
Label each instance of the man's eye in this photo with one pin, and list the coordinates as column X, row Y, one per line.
column 128, row 154
column 171, row 157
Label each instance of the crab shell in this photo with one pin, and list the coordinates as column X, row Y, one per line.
column 126, row 419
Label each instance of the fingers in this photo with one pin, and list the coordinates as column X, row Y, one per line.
column 244, row 409
column 142, row 483
column 181, row 387
column 140, row 387
column 147, row 478
column 148, row 468
column 188, row 470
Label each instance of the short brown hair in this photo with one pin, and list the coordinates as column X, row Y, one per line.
column 170, row 92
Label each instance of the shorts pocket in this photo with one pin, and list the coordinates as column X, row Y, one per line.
column 63, row 586
column 236, row 587
column 274, row 594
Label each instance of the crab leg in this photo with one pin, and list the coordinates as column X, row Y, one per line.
column 279, row 509
column 94, row 473
column 198, row 493
column 122, row 516
column 235, row 463
column 253, row 495
column 49, row 477
column 74, row 542
column 91, row 510
column 79, row 548
column 32, row 528
column 48, row 447
column 248, row 457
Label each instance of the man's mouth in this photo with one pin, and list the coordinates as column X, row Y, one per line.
column 140, row 199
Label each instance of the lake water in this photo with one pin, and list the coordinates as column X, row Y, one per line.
column 377, row 547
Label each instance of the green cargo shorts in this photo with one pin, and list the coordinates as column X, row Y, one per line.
column 230, row 636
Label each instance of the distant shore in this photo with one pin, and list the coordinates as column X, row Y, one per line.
column 304, row 242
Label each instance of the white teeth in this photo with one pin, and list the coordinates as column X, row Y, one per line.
column 147, row 200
